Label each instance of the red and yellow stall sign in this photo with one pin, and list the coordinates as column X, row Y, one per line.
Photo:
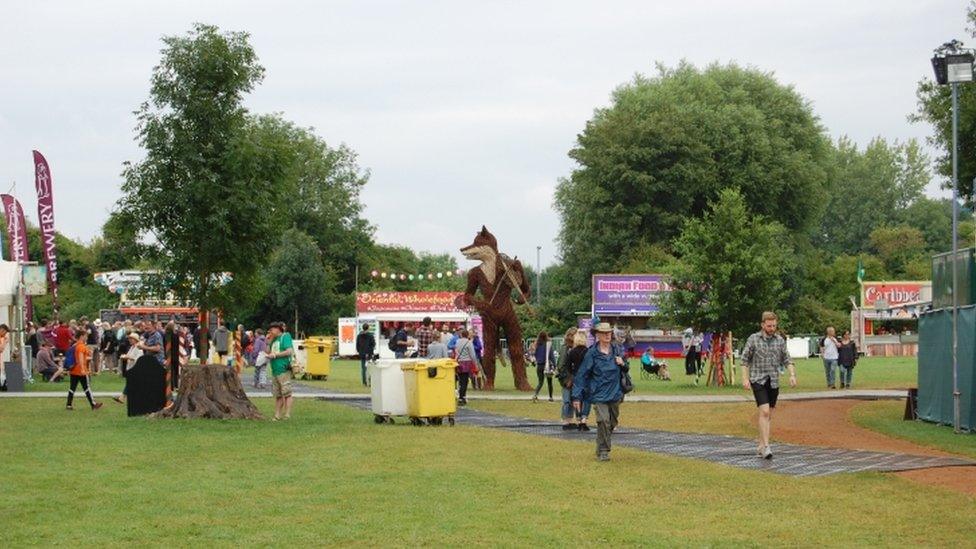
column 410, row 302
column 894, row 293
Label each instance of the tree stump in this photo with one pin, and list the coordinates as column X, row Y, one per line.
column 210, row 391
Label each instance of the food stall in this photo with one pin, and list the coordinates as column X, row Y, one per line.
column 387, row 309
column 631, row 300
column 886, row 321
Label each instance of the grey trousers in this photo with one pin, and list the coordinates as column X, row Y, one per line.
column 607, row 414
column 260, row 375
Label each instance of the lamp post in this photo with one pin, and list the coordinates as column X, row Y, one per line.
column 953, row 65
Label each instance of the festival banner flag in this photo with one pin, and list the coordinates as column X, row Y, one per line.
column 17, row 237
column 45, row 216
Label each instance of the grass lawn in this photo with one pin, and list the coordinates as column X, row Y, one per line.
column 886, row 417
column 331, row 476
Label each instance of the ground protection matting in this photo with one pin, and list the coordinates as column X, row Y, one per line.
column 788, row 459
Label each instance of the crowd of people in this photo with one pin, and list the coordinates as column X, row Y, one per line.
column 591, row 376
column 77, row 350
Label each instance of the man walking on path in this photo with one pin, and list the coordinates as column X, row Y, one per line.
column 829, row 351
column 762, row 357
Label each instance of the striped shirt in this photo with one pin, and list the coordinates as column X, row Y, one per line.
column 764, row 356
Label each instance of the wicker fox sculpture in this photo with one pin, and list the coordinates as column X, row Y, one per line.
column 496, row 278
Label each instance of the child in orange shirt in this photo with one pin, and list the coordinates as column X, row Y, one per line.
column 78, row 369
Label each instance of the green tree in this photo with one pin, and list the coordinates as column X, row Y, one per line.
column 319, row 194
column 732, row 268
column 869, row 189
column 119, row 247
column 206, row 188
column 299, row 287
column 935, row 108
column 668, row 145
column 933, row 217
column 897, row 247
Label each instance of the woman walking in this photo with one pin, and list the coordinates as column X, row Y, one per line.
column 545, row 363
column 847, row 358
column 467, row 361
column 573, row 419
column 599, row 376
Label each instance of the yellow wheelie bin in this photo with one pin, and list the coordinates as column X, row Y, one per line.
column 318, row 352
column 429, row 386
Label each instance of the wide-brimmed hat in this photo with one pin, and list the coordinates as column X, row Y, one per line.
column 603, row 327
column 133, row 335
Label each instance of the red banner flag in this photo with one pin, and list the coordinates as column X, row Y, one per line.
column 45, row 216
column 17, row 236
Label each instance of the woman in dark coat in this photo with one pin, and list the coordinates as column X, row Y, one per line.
column 846, row 358
column 573, row 420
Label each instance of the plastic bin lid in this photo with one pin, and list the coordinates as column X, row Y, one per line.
column 393, row 363
column 424, row 364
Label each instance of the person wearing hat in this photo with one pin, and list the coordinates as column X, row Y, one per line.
column 128, row 360
column 599, row 377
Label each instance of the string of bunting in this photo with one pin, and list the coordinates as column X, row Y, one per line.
column 416, row 277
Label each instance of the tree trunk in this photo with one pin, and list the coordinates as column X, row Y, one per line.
column 210, row 391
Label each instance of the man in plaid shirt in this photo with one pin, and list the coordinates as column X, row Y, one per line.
column 764, row 354
column 425, row 334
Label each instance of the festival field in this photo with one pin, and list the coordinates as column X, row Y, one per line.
column 331, row 476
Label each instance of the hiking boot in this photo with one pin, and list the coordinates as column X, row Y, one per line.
column 96, row 406
column 767, row 453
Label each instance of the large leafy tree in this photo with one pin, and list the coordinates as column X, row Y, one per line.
column 935, row 107
column 869, row 189
column 319, row 195
column 299, row 286
column 205, row 191
column 733, row 266
column 668, row 145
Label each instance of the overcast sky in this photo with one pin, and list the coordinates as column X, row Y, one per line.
column 462, row 111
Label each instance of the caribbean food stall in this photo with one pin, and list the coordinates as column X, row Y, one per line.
column 886, row 322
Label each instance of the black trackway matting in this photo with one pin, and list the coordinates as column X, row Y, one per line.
column 788, row 459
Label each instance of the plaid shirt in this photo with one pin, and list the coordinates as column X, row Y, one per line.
column 425, row 335
column 764, row 355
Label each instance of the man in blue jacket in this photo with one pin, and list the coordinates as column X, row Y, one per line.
column 599, row 376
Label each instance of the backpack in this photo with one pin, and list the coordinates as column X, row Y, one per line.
column 393, row 342
column 69, row 358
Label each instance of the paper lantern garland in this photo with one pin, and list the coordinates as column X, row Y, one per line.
column 416, row 277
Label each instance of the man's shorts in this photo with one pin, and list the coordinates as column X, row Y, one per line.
column 281, row 385
column 765, row 393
